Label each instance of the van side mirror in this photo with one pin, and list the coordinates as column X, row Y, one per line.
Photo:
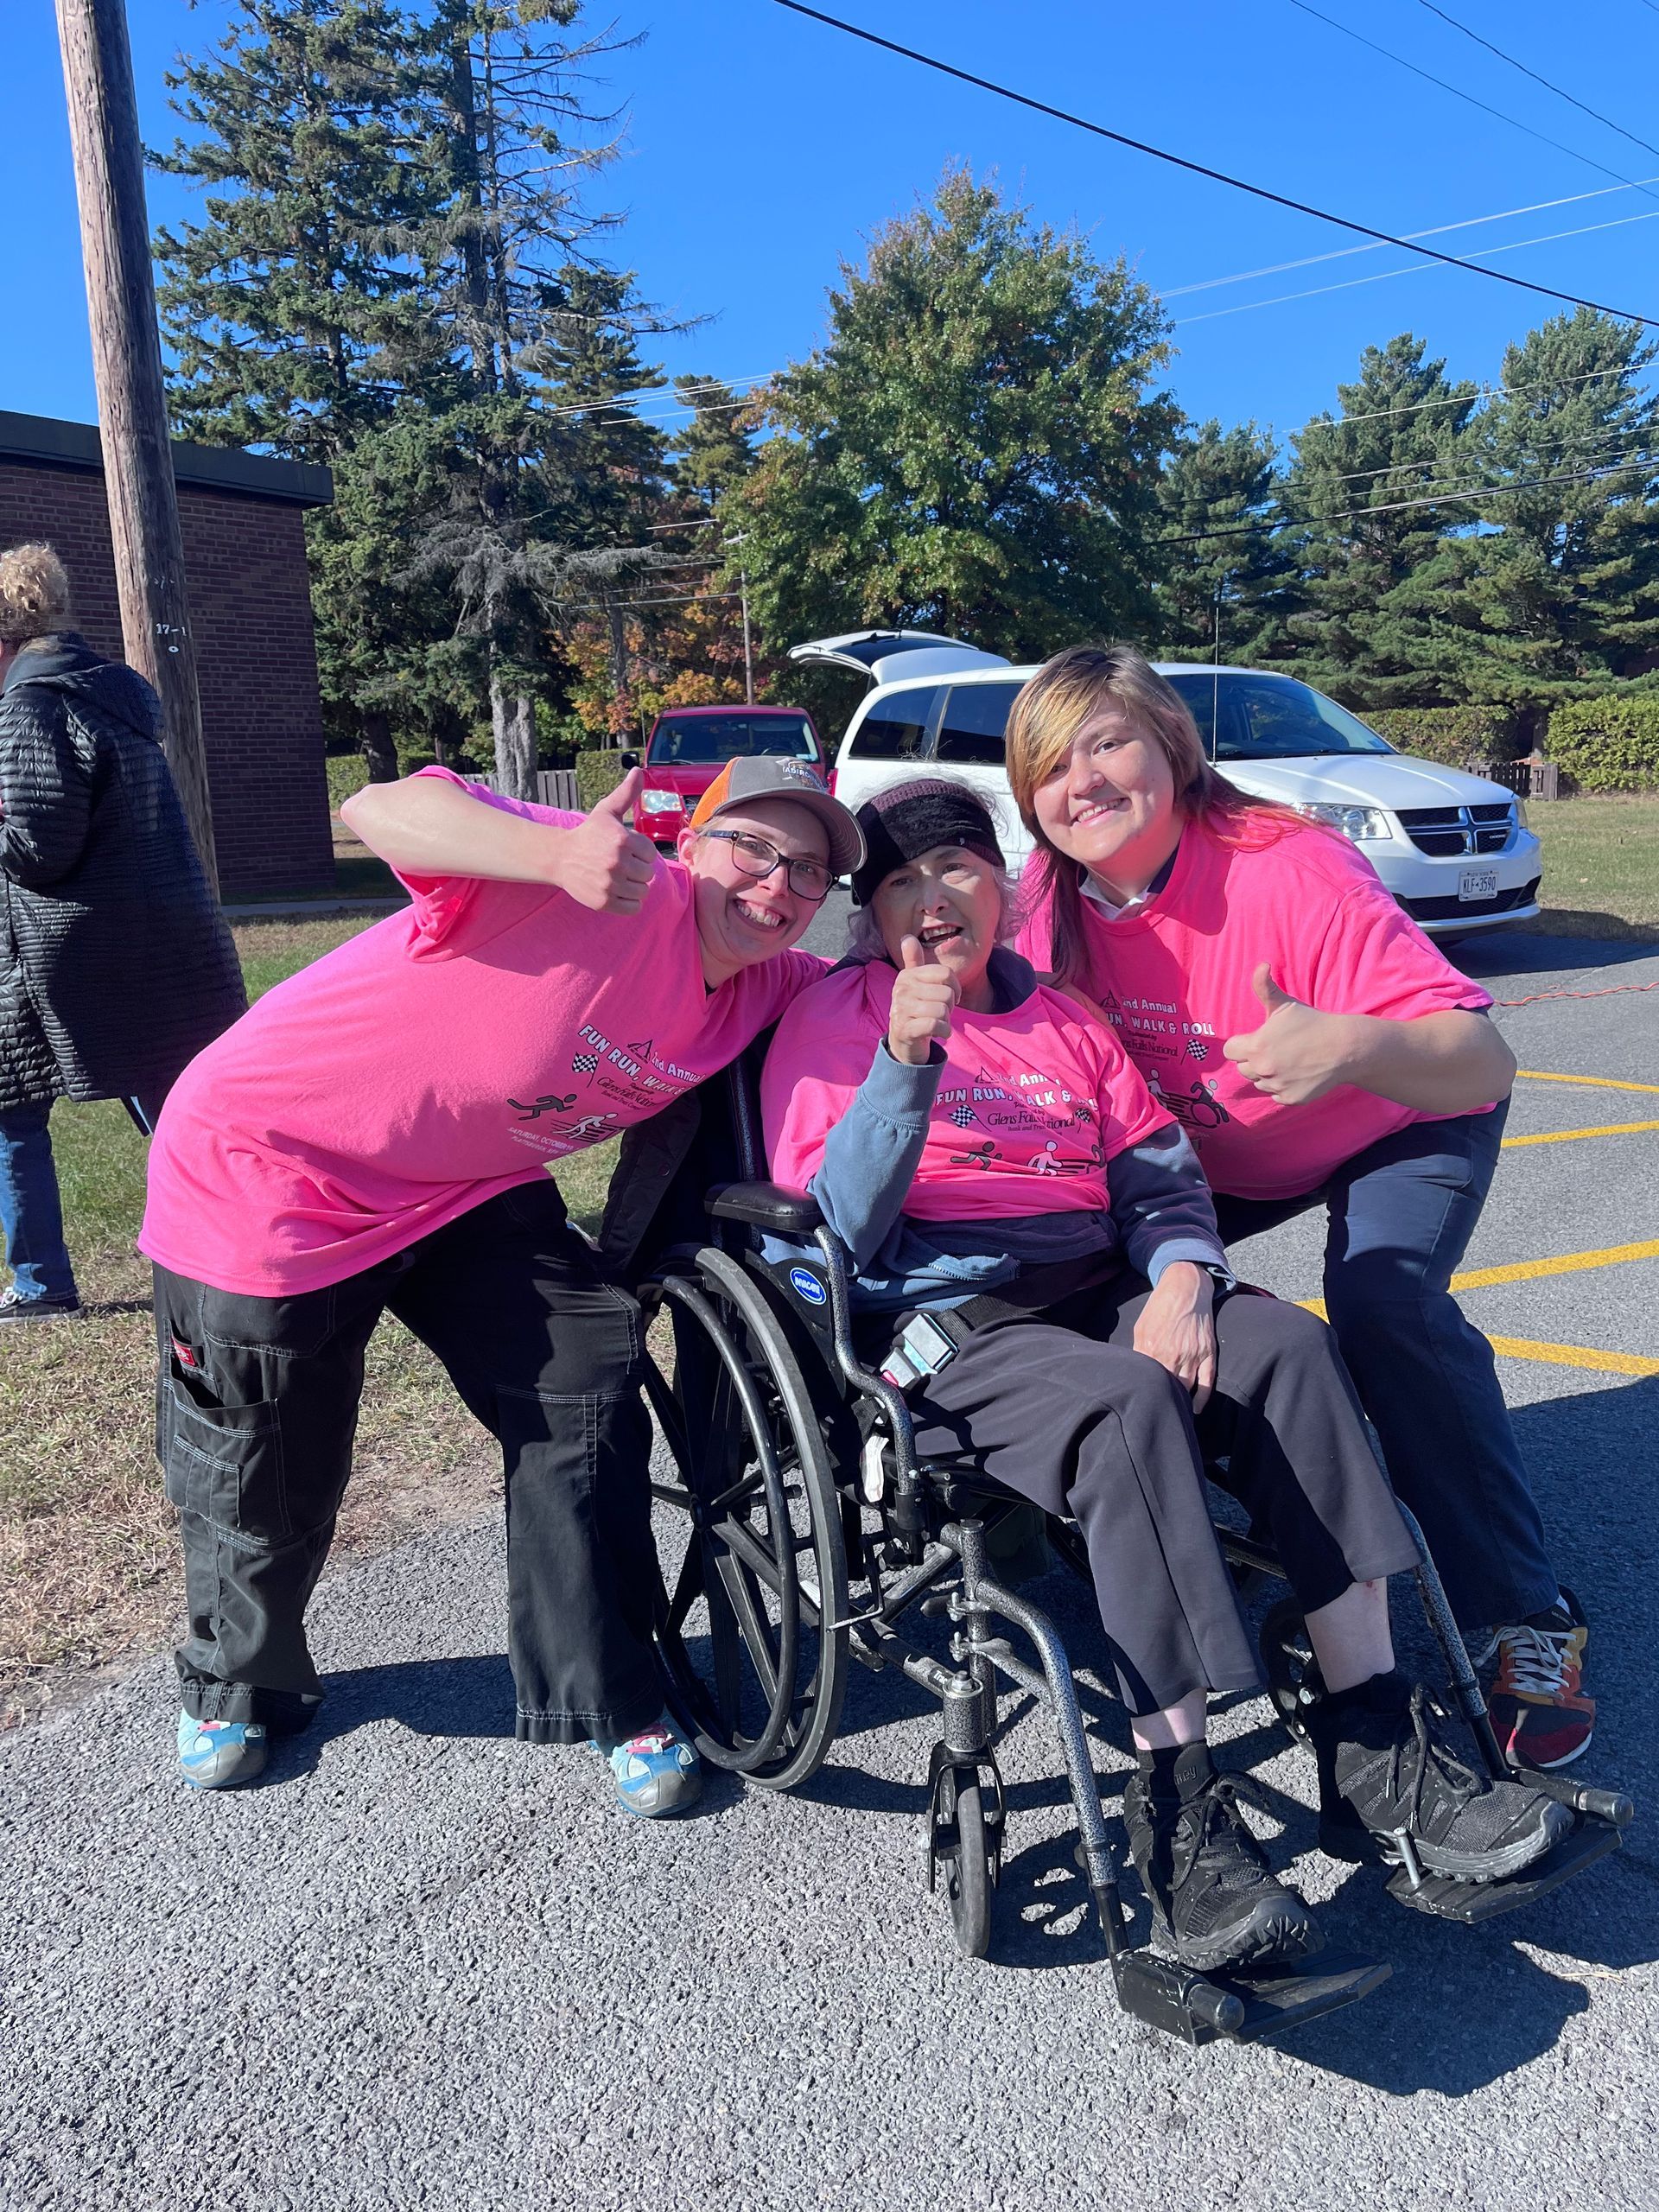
column 630, row 760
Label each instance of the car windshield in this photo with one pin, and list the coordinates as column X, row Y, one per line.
column 708, row 741
column 1271, row 718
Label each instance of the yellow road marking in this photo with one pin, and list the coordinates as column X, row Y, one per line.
column 1564, row 1136
column 1594, row 1081
column 1569, row 1263
column 1607, row 1362
column 1604, row 1363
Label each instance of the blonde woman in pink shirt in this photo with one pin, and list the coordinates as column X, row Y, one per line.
column 374, row 1136
column 1321, row 1054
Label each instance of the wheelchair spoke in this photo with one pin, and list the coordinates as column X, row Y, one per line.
column 757, row 1635
column 741, row 1539
column 727, row 1648
column 749, row 1485
column 670, row 1494
column 686, row 1590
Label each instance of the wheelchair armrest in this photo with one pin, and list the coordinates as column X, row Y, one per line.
column 764, row 1205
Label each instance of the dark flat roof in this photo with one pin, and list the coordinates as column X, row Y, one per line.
column 220, row 468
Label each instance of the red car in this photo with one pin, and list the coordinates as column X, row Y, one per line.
column 688, row 746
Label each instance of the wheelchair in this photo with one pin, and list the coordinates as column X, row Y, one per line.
column 799, row 1530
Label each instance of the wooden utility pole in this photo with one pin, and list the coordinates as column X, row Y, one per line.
column 131, row 406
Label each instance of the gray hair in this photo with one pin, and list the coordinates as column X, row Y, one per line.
column 34, row 593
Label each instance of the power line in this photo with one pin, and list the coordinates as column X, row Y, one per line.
column 1199, row 169
column 1485, row 391
column 660, row 390
column 1458, row 94
column 1404, row 507
column 1352, row 284
column 1439, row 230
column 1581, row 449
column 1595, row 113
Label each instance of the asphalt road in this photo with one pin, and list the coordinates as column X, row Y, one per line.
column 427, row 1967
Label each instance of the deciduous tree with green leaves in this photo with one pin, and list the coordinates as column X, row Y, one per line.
column 974, row 448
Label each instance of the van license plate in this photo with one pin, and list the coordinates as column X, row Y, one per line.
column 1477, row 883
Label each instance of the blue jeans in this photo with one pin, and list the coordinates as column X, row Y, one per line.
column 1401, row 1215
column 30, row 1213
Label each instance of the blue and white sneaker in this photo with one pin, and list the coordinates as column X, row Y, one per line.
column 657, row 1771
column 220, row 1754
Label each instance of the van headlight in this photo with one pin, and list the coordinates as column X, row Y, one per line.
column 1358, row 823
column 660, row 801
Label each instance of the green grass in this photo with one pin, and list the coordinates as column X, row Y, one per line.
column 88, row 1564
column 1601, row 866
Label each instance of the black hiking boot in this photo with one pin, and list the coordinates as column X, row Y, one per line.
column 1215, row 1900
column 1392, row 1789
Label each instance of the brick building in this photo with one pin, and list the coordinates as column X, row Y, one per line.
column 251, row 611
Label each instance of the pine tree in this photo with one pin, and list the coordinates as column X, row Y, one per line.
column 1231, row 566
column 974, row 450
column 1364, row 484
column 1558, row 596
column 393, row 300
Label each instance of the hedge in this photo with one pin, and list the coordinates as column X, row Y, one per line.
column 1607, row 745
column 347, row 773
column 596, row 774
column 1452, row 736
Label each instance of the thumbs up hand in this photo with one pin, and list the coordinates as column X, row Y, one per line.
column 924, row 999
column 1298, row 1053
column 602, row 863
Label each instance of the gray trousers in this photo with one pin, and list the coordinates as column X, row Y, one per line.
column 1061, row 1409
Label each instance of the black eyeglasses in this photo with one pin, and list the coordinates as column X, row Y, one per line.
column 808, row 880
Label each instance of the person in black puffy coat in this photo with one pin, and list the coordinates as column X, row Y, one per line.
column 116, row 964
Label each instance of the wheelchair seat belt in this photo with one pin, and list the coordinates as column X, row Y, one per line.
column 928, row 1339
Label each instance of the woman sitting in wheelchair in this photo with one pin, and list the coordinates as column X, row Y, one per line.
column 989, row 1155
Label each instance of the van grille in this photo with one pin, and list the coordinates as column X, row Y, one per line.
column 1445, row 831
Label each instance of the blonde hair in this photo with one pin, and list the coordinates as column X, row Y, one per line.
column 34, row 593
column 1043, row 725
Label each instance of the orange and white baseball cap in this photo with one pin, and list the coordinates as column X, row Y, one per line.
column 766, row 775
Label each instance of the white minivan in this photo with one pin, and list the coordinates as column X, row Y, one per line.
column 1454, row 848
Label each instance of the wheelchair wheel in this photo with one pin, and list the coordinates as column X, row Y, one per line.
column 968, row 1871
column 1293, row 1680
column 753, row 1600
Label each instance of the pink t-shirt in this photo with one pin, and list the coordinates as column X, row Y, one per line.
column 451, row 1052
column 1030, row 1107
column 1174, row 976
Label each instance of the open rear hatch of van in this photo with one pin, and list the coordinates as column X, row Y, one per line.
column 888, row 655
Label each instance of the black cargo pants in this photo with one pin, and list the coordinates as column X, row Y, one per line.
column 256, row 1411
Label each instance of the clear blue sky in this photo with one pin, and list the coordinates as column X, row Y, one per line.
column 760, row 149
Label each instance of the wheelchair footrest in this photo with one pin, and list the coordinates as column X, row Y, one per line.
column 1240, row 2007
column 1471, row 1903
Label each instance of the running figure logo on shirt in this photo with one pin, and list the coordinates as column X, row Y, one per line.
column 552, row 1103
column 981, row 1155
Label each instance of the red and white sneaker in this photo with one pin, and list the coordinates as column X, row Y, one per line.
column 1539, row 1711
